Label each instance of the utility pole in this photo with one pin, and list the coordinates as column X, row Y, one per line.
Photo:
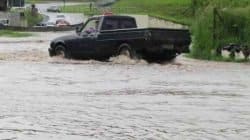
column 64, row 3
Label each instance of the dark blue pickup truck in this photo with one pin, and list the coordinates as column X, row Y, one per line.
column 102, row 37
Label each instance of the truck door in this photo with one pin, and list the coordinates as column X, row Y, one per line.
column 106, row 41
column 88, row 37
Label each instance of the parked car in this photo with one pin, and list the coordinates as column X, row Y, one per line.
column 60, row 16
column 50, row 24
column 62, row 23
column 104, row 36
column 4, row 22
column 55, row 9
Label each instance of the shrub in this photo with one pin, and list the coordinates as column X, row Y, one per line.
column 232, row 25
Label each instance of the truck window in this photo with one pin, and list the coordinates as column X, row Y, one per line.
column 91, row 26
column 128, row 23
column 110, row 24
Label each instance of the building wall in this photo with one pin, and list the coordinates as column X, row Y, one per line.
column 14, row 19
column 3, row 5
column 17, row 3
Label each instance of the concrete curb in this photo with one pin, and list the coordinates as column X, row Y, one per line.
column 40, row 29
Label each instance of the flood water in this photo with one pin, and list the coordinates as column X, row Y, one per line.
column 58, row 99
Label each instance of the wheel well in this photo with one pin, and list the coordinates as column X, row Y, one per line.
column 60, row 44
column 123, row 45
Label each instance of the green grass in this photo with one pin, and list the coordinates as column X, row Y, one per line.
column 9, row 33
column 232, row 26
column 174, row 10
column 42, row 1
column 82, row 8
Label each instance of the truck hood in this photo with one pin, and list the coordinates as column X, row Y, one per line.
column 66, row 38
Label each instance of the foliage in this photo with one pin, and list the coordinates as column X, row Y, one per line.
column 32, row 19
column 232, row 23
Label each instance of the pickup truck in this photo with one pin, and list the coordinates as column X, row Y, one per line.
column 102, row 37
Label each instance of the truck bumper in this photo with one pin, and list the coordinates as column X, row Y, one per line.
column 182, row 49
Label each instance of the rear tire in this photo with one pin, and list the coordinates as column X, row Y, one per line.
column 170, row 56
column 126, row 50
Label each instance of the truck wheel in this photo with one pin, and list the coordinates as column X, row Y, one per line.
column 61, row 51
column 126, row 50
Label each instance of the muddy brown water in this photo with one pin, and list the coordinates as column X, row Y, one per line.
column 58, row 99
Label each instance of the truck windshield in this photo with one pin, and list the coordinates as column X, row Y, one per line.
column 91, row 26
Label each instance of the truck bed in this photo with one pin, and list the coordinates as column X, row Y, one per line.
column 156, row 36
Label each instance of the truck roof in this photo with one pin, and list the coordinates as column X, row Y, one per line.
column 115, row 16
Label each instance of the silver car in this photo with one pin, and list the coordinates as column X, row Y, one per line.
column 55, row 9
column 4, row 22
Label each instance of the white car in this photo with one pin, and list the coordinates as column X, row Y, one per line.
column 4, row 22
column 55, row 9
column 51, row 24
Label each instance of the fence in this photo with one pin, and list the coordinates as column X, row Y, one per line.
column 100, row 10
column 229, row 28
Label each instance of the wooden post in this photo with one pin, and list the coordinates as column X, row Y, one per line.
column 214, row 26
column 194, row 6
column 64, row 3
column 218, row 48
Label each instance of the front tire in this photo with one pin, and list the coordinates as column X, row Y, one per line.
column 61, row 51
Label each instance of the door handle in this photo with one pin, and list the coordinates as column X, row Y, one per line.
column 92, row 36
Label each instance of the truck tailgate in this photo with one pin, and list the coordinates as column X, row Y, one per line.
column 171, row 36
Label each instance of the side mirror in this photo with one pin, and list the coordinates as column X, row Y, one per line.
column 78, row 30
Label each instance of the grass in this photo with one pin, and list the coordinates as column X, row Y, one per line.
column 82, row 8
column 9, row 33
column 42, row 1
column 232, row 26
column 174, row 10
column 166, row 9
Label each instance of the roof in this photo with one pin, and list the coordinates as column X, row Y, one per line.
column 114, row 16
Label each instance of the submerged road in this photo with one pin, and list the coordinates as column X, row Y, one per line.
column 58, row 99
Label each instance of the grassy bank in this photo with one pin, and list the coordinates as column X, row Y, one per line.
column 82, row 8
column 8, row 33
column 174, row 10
column 213, row 23
column 40, row 1
column 219, row 23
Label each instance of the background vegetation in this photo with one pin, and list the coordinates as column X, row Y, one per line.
column 218, row 23
column 213, row 23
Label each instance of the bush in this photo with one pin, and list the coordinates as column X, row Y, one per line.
column 232, row 26
column 32, row 20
